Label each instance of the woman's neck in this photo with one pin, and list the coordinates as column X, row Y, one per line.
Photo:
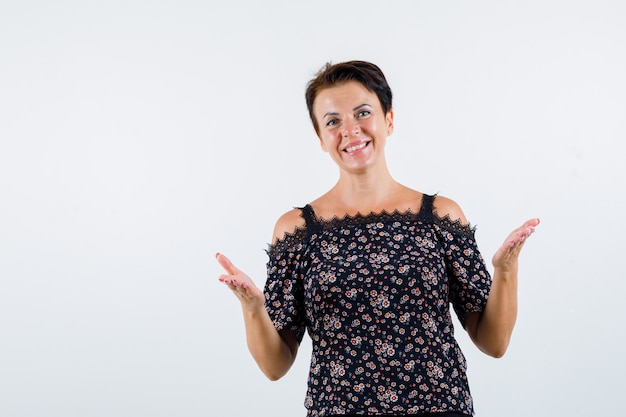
column 364, row 193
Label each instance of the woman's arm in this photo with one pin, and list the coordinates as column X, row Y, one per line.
column 491, row 329
column 274, row 352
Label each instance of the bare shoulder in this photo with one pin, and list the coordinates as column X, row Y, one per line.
column 288, row 223
column 445, row 206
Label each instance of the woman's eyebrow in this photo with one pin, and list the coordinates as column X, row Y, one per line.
column 334, row 113
column 361, row 106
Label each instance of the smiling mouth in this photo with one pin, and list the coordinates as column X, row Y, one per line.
column 356, row 147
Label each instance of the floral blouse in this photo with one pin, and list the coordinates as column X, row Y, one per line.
column 374, row 293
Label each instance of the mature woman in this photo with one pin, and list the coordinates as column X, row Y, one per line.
column 370, row 270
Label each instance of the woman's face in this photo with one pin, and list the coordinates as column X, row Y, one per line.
column 352, row 125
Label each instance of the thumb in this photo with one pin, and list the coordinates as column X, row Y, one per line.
column 227, row 264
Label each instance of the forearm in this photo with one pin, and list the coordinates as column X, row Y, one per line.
column 270, row 351
column 496, row 323
column 491, row 330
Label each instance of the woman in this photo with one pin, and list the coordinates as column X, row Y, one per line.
column 370, row 269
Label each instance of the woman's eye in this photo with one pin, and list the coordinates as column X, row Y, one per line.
column 364, row 113
column 331, row 122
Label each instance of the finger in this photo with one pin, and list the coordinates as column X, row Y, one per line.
column 226, row 279
column 227, row 264
column 524, row 231
column 518, row 238
column 232, row 281
column 531, row 224
column 241, row 290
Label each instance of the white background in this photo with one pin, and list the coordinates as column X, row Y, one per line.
column 138, row 138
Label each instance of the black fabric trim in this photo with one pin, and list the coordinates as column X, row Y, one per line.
column 314, row 224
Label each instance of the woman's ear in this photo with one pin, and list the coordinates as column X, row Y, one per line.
column 389, row 120
column 322, row 144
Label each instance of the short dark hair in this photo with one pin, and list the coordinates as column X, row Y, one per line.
column 365, row 73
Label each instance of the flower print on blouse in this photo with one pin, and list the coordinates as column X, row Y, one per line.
column 374, row 293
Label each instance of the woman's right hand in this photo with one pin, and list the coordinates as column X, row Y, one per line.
column 240, row 284
column 272, row 352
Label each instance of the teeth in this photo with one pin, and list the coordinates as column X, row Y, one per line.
column 356, row 147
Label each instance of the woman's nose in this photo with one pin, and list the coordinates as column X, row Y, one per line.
column 350, row 128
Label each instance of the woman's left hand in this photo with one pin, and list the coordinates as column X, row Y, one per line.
column 506, row 256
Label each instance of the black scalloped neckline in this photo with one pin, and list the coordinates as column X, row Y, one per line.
column 300, row 233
